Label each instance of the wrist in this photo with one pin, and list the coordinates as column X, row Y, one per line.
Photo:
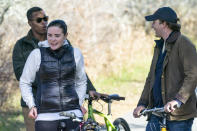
column 32, row 107
column 179, row 103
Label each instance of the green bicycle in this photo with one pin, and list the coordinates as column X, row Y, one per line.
column 92, row 125
column 119, row 124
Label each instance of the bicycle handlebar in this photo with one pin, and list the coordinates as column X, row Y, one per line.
column 112, row 97
column 87, row 125
column 156, row 110
column 70, row 115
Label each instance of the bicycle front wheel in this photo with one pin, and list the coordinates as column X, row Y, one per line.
column 121, row 125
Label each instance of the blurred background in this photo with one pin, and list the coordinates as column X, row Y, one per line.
column 116, row 42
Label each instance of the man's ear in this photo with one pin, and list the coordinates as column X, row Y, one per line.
column 165, row 23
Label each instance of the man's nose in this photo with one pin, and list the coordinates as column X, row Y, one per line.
column 44, row 22
column 52, row 38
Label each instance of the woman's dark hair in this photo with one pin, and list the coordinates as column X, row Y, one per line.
column 31, row 11
column 59, row 23
column 173, row 26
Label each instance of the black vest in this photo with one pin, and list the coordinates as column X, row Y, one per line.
column 56, row 81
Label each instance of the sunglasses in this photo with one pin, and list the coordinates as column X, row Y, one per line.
column 45, row 18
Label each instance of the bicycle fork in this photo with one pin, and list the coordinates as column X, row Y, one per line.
column 163, row 124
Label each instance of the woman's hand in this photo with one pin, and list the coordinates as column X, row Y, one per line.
column 97, row 95
column 94, row 94
column 83, row 110
column 33, row 113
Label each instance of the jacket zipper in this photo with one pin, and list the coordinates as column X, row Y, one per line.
column 59, row 82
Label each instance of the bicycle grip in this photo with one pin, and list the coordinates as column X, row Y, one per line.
column 121, row 98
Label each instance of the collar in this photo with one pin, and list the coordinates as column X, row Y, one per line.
column 61, row 51
column 46, row 44
column 171, row 39
column 30, row 37
column 159, row 43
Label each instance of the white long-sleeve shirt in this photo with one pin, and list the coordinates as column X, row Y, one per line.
column 32, row 66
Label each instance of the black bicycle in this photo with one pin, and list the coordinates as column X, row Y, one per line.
column 158, row 112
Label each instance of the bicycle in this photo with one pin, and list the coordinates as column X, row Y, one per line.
column 158, row 112
column 119, row 124
column 83, row 125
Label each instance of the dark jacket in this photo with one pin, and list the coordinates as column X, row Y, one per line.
column 22, row 49
column 179, row 77
column 56, row 87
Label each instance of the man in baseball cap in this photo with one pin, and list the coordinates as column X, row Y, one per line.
column 172, row 77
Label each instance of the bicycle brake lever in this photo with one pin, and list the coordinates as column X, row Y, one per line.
column 143, row 112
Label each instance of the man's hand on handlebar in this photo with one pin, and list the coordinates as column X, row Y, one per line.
column 171, row 106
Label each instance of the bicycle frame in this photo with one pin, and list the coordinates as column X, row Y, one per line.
column 108, row 122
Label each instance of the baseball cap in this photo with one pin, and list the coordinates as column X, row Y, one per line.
column 165, row 13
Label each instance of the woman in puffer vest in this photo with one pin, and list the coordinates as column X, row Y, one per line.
column 59, row 70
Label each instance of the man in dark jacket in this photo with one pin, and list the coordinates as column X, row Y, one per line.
column 173, row 75
column 38, row 21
